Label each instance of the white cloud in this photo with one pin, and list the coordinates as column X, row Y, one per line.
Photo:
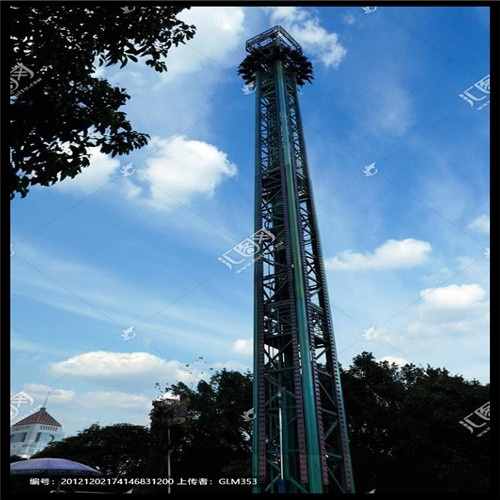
column 93, row 177
column 451, row 312
column 247, row 89
column 115, row 400
column 481, row 224
column 435, row 327
column 219, row 32
column 231, row 365
column 195, row 72
column 40, row 392
column 133, row 80
column 131, row 190
column 216, row 46
column 182, row 168
column 168, row 395
column 392, row 254
column 176, row 171
column 287, row 14
column 243, row 346
column 136, row 367
column 307, row 30
column 453, row 296
column 454, row 311
column 111, row 399
column 393, row 359
column 99, row 71
column 374, row 333
column 105, row 364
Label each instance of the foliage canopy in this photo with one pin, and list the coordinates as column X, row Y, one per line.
column 120, row 450
column 403, row 428
column 64, row 108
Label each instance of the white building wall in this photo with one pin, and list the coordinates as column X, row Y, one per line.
column 26, row 440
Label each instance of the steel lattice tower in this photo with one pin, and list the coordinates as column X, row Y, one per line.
column 300, row 441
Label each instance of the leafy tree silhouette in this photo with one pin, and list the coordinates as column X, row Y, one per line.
column 403, row 429
column 53, row 123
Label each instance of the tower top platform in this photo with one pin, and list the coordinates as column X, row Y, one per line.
column 276, row 35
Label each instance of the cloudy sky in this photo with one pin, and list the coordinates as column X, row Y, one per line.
column 116, row 282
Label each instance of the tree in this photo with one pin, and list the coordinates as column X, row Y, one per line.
column 214, row 442
column 119, row 450
column 404, row 430
column 58, row 109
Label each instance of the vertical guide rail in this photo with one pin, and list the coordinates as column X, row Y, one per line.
column 258, row 430
column 312, row 438
column 305, row 235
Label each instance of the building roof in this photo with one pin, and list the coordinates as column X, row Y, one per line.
column 39, row 417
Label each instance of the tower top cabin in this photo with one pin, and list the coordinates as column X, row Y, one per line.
column 275, row 36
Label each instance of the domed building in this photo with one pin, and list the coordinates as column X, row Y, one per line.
column 33, row 433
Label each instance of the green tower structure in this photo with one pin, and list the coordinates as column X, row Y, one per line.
column 300, row 441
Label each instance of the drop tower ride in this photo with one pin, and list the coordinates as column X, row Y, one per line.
column 300, row 441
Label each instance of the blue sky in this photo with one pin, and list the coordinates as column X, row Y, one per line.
column 405, row 248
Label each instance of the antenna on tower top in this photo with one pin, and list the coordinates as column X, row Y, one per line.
column 46, row 399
